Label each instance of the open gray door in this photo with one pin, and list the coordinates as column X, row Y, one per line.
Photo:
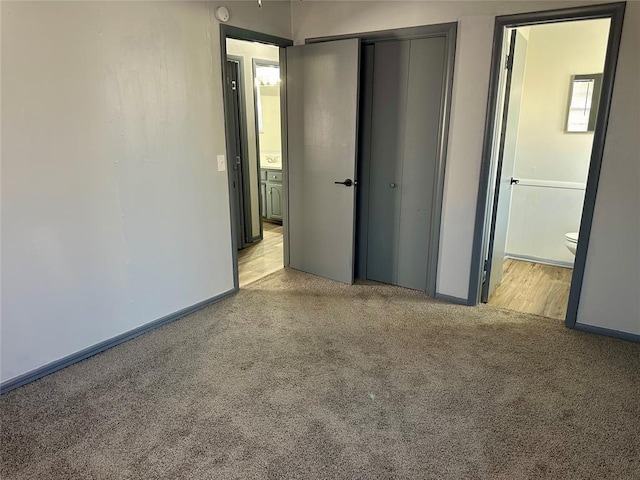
column 234, row 142
column 506, row 163
column 322, row 120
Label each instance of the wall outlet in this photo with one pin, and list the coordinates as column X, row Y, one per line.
column 222, row 163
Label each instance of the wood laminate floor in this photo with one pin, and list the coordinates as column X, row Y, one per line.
column 533, row 288
column 262, row 258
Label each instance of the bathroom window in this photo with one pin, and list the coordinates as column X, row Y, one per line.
column 583, row 102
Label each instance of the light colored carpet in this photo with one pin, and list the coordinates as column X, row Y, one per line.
column 300, row 377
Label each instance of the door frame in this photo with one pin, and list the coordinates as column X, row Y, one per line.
column 228, row 31
column 499, row 160
column 449, row 32
column 613, row 11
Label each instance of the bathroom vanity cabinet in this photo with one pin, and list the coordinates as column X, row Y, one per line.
column 271, row 192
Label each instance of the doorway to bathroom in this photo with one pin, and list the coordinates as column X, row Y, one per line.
column 254, row 148
column 549, row 118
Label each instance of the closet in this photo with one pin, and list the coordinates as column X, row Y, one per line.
column 402, row 104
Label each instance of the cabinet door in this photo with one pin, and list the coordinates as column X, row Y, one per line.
column 269, row 200
column 263, row 202
column 275, row 192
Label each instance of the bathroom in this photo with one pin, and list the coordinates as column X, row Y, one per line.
column 549, row 118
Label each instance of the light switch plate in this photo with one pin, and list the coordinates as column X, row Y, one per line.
column 222, row 164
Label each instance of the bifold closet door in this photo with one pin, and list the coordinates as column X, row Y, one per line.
column 389, row 108
column 406, row 110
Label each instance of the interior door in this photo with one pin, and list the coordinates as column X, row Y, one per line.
column 388, row 125
column 406, row 114
column 235, row 150
column 322, row 120
column 506, row 163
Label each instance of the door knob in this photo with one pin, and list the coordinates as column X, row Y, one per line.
column 347, row 183
column 392, row 185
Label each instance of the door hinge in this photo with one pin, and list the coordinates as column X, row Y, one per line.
column 486, row 264
column 509, row 62
column 233, row 84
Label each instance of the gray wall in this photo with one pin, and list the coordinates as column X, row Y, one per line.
column 611, row 289
column 113, row 211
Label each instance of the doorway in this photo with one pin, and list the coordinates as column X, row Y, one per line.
column 253, row 102
column 550, row 92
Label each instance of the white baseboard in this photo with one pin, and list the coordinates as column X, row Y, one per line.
column 544, row 261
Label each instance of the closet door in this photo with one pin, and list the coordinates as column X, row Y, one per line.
column 421, row 134
column 389, row 111
column 406, row 111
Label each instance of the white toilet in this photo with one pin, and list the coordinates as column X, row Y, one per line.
column 571, row 241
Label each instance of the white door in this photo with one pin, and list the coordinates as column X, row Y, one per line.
column 506, row 162
column 322, row 119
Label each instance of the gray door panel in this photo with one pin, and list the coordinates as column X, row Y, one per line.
column 422, row 132
column 390, row 72
column 408, row 81
column 234, row 113
column 275, row 192
column 322, row 117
